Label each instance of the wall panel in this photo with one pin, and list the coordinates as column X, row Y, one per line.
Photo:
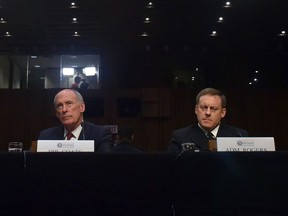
column 24, row 113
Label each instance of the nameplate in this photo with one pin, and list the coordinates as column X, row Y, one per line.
column 65, row 146
column 245, row 144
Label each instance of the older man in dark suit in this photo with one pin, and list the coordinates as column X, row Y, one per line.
column 70, row 106
column 210, row 109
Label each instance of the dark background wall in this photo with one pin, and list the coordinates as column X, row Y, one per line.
column 153, row 113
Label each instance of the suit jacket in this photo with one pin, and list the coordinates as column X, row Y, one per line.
column 101, row 135
column 194, row 134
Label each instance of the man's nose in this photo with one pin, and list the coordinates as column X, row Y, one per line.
column 64, row 108
column 208, row 111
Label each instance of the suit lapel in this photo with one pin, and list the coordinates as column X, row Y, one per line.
column 222, row 132
column 199, row 136
column 59, row 135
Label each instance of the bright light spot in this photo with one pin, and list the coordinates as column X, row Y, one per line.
column 89, row 71
column 68, row 71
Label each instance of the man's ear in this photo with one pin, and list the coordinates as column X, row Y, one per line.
column 196, row 109
column 82, row 107
column 223, row 112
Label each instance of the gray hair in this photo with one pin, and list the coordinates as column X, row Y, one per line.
column 78, row 95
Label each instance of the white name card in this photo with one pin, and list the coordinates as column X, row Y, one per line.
column 245, row 144
column 65, row 146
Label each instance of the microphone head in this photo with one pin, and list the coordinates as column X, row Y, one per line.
column 189, row 146
column 239, row 134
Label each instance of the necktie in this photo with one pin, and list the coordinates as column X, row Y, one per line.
column 210, row 136
column 69, row 135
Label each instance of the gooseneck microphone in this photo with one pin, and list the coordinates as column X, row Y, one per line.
column 239, row 134
column 187, row 147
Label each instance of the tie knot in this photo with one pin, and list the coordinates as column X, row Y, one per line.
column 210, row 136
column 69, row 136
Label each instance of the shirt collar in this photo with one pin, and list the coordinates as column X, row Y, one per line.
column 214, row 131
column 75, row 132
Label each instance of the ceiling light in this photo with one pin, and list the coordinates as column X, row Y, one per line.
column 145, row 34
column 2, row 20
column 89, row 71
column 68, row 71
column 150, row 5
column 214, row 33
column 73, row 5
column 8, row 34
column 220, row 19
column 76, row 34
column 147, row 20
column 74, row 19
column 283, row 33
column 227, row 4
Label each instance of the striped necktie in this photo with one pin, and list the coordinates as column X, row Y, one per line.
column 69, row 136
column 210, row 136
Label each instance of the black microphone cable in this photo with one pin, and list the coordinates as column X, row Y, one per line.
column 186, row 148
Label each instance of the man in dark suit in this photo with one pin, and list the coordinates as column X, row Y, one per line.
column 70, row 106
column 125, row 139
column 210, row 109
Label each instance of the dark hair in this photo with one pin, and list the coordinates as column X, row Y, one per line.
column 77, row 79
column 212, row 91
column 125, row 132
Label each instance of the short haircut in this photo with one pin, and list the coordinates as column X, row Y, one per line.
column 77, row 79
column 125, row 132
column 212, row 91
